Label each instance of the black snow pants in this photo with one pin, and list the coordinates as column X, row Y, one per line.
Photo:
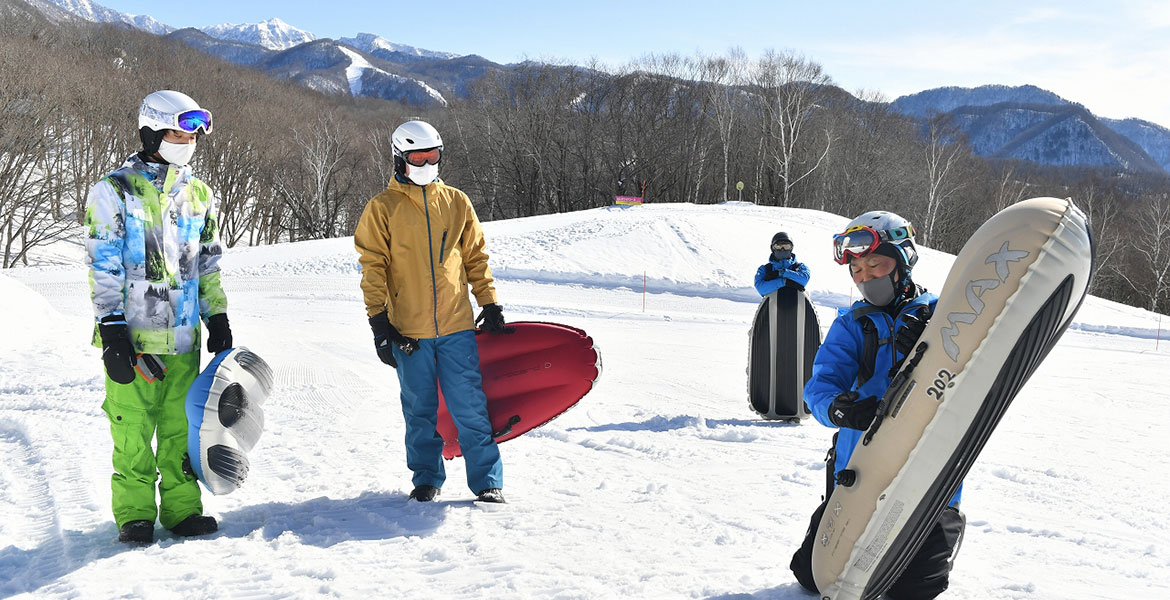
column 926, row 576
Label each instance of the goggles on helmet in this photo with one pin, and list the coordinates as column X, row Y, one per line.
column 420, row 158
column 192, row 121
column 782, row 247
column 859, row 241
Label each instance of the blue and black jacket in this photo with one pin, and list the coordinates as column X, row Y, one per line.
column 788, row 270
column 857, row 355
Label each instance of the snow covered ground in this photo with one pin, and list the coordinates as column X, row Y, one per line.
column 661, row 483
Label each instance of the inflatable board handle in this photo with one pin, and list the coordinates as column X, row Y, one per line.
column 506, row 329
column 894, row 391
column 513, row 420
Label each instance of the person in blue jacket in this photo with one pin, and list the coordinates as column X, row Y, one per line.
column 853, row 368
column 782, row 269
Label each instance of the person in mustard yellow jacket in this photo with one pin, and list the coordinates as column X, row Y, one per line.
column 421, row 245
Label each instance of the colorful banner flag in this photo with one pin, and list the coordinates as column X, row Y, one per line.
column 627, row 199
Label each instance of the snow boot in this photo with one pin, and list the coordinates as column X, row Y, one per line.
column 424, row 493
column 490, row 495
column 137, row 532
column 195, row 525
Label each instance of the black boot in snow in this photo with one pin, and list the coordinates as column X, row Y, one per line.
column 424, row 493
column 137, row 532
column 490, row 495
column 195, row 525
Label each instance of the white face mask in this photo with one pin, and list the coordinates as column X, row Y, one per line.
column 176, row 154
column 422, row 175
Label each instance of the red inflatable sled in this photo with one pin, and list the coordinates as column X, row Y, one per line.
column 531, row 374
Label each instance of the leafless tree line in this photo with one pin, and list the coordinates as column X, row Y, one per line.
column 289, row 164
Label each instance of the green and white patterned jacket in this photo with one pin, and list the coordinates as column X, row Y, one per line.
column 153, row 250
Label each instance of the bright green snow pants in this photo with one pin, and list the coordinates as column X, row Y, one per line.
column 136, row 410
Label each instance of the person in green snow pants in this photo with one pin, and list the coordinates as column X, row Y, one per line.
column 153, row 250
column 137, row 411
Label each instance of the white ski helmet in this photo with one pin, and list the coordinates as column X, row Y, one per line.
column 893, row 231
column 887, row 234
column 415, row 136
column 168, row 109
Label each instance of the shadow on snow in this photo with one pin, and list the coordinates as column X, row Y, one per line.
column 322, row 522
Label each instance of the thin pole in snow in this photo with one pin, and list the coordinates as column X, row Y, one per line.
column 643, row 291
column 1158, row 338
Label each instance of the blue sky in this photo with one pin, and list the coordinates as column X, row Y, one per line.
column 1113, row 57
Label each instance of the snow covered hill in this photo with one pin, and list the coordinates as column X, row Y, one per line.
column 661, row 483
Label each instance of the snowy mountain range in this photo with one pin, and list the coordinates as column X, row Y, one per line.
column 1021, row 122
column 272, row 34
column 1029, row 123
column 92, row 11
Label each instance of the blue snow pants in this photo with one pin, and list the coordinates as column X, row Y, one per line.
column 453, row 362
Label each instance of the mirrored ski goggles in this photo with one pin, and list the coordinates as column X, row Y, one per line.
column 419, row 158
column 857, row 242
column 782, row 247
column 192, row 121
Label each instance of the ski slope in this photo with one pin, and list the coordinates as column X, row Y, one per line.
column 661, row 483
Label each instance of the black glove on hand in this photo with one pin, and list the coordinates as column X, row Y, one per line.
column 219, row 333
column 770, row 272
column 117, row 352
column 847, row 411
column 385, row 335
column 908, row 334
column 492, row 317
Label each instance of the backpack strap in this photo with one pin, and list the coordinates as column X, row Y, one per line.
column 871, row 344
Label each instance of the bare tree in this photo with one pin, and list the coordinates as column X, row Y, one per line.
column 724, row 76
column 793, row 88
column 1151, row 243
column 1103, row 211
column 30, row 190
column 943, row 151
column 315, row 185
column 1010, row 188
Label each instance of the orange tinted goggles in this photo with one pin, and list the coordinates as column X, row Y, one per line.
column 419, row 158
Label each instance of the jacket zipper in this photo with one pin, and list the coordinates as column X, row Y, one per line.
column 431, row 257
column 442, row 248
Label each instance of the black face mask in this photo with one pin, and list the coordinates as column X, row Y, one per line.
column 781, row 250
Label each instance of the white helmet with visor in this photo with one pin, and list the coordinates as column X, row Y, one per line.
column 166, row 110
column 418, row 150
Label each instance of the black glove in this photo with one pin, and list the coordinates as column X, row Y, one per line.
column 912, row 325
column 386, row 337
column 219, row 333
column 492, row 317
column 770, row 272
column 117, row 352
column 847, row 411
